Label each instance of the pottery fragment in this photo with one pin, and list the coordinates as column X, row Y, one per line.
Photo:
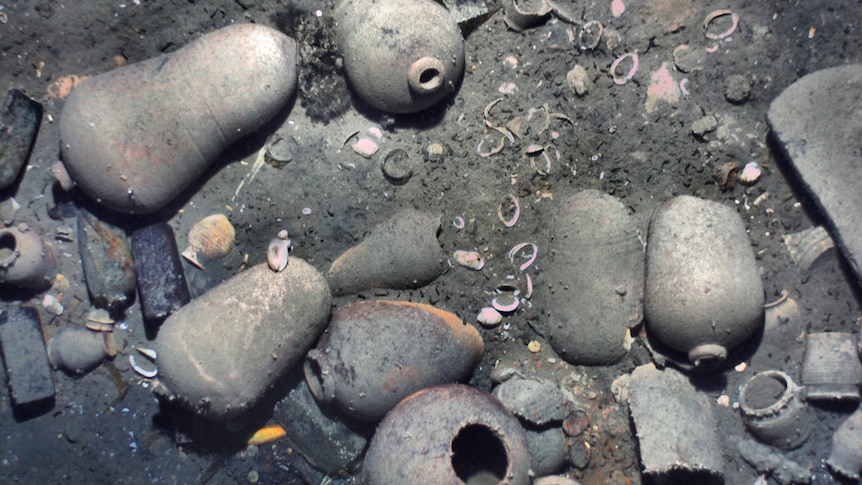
column 831, row 369
column 845, row 456
column 675, row 425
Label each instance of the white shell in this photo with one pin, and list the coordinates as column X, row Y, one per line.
column 489, row 317
column 469, row 259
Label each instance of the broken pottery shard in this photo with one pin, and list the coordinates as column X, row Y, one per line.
column 19, row 121
column 675, row 425
column 28, row 372
column 818, row 124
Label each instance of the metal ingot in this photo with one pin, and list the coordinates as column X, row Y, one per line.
column 773, row 410
column 846, row 454
column 831, row 367
column 448, row 435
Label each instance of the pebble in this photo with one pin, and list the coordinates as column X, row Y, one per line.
column 737, row 89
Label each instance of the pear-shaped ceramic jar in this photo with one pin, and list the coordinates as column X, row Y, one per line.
column 401, row 56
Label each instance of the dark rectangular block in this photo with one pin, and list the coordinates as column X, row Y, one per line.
column 20, row 118
column 162, row 285
column 26, row 358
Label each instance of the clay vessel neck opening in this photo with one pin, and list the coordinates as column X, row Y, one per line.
column 8, row 246
column 707, row 356
column 426, row 76
column 478, row 455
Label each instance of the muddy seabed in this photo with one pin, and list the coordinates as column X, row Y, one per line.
column 623, row 139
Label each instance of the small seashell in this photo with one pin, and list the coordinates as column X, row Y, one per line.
column 397, row 167
column 750, row 173
column 506, row 302
column 590, row 35
column 530, row 259
column 469, row 259
column 267, row 434
column 365, row 147
column 725, row 175
column 489, row 317
column 212, row 237
column 52, row 304
column 620, row 78
column 577, row 80
column 712, row 17
column 509, row 213
column 534, row 346
column 147, row 352
column 145, row 372
column 278, row 252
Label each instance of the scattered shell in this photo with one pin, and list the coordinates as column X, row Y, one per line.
column 725, row 175
column 530, row 260
column 144, row 371
column 459, row 222
column 52, row 304
column 750, row 173
column 99, row 320
column 617, row 8
column 148, row 373
column 575, row 423
column 489, row 317
column 577, row 80
column 212, row 237
column 534, row 346
column 434, row 152
column 712, row 17
column 509, row 215
column 469, row 259
column 619, row 78
column 807, row 246
column 505, row 302
column 397, row 167
column 279, row 251
column 590, row 35
column 365, row 147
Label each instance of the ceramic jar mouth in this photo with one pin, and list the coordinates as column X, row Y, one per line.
column 706, row 356
column 8, row 248
column 426, row 76
column 755, row 403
